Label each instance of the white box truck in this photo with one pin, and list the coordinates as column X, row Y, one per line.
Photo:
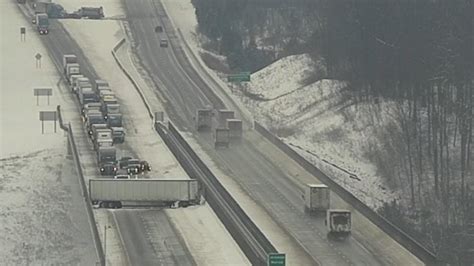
column 72, row 69
column 68, row 59
column 316, row 198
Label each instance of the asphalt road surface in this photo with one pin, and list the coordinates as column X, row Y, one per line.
column 59, row 42
column 258, row 175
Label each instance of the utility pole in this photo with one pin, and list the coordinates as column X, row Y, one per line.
column 105, row 245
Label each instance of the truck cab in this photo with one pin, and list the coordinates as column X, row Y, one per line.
column 107, row 168
column 112, row 108
column 42, row 23
column 72, row 69
column 118, row 134
column 91, row 106
column 338, row 223
column 133, row 166
column 106, row 155
column 68, row 59
column 93, row 117
column 101, row 85
column 80, row 82
column 114, row 120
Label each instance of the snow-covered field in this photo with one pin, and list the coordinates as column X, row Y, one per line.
column 43, row 218
column 316, row 119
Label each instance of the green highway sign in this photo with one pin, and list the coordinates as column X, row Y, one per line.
column 276, row 259
column 243, row 76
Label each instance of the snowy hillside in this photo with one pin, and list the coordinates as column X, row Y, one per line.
column 282, row 77
column 320, row 122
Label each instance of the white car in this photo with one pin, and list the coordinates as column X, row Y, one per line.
column 122, row 174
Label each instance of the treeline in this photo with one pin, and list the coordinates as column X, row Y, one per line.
column 419, row 53
column 253, row 34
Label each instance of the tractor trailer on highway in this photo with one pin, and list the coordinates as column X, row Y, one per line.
column 115, row 193
column 338, row 223
column 316, row 198
column 42, row 23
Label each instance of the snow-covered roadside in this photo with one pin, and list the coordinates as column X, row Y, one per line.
column 315, row 118
column 204, row 234
column 43, row 219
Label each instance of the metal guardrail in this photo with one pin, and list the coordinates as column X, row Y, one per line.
column 248, row 236
column 132, row 80
column 72, row 148
column 256, row 258
column 390, row 229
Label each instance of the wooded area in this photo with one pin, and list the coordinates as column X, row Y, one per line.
column 419, row 53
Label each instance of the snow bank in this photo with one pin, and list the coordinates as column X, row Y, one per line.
column 280, row 78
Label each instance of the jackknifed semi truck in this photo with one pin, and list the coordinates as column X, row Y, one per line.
column 115, row 193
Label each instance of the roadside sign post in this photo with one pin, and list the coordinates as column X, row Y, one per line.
column 38, row 60
column 276, row 259
column 22, row 34
column 42, row 92
column 240, row 77
column 47, row 116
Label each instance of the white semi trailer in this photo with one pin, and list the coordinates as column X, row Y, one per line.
column 115, row 193
column 316, row 198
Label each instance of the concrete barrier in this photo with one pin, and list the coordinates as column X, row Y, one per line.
column 134, row 83
column 72, row 149
column 85, row 194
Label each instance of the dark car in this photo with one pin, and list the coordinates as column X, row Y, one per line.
column 108, row 169
column 163, row 43
column 134, row 166
column 145, row 166
column 122, row 174
column 123, row 162
column 158, row 29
